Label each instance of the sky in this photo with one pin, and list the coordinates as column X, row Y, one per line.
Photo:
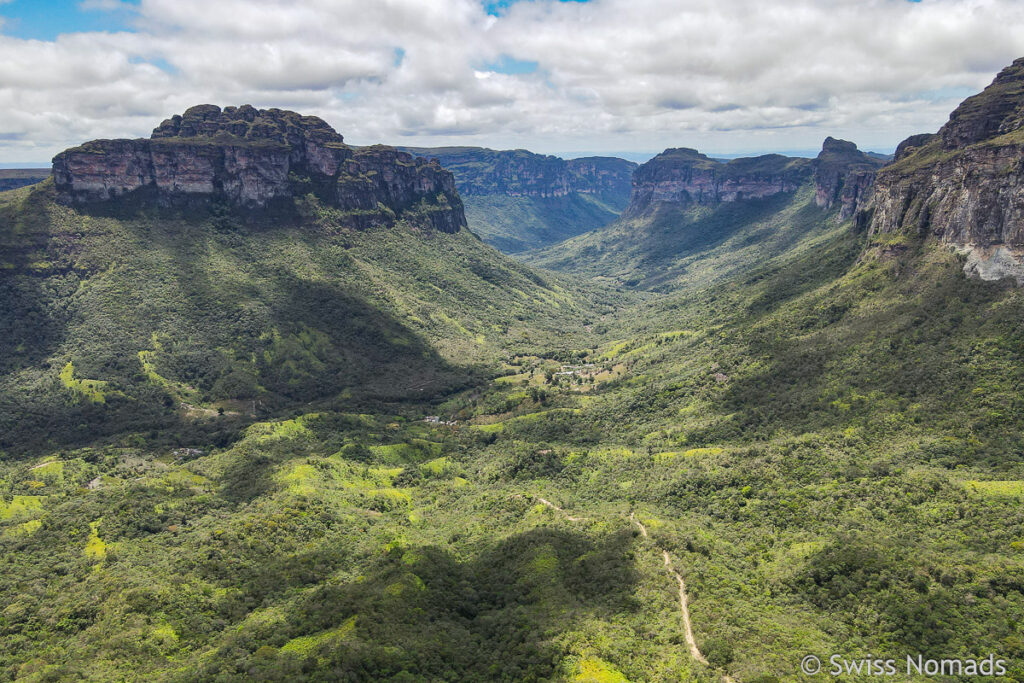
column 566, row 77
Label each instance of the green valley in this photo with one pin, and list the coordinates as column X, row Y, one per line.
column 517, row 200
column 312, row 428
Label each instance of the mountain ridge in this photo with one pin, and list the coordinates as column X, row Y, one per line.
column 258, row 161
column 687, row 208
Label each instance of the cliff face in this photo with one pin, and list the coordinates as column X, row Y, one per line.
column 685, row 176
column 965, row 185
column 519, row 173
column 843, row 175
column 259, row 159
column 608, row 177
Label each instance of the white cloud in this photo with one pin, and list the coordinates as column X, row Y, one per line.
column 612, row 74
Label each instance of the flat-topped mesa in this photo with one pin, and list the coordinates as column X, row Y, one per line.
column 519, row 173
column 685, row 176
column 259, row 159
column 844, row 175
column 965, row 184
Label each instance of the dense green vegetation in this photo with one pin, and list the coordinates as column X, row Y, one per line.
column 821, row 430
column 160, row 316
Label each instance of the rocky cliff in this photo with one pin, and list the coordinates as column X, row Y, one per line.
column 258, row 160
column 685, row 176
column 964, row 185
column 843, row 175
column 608, row 177
column 519, row 173
column 516, row 200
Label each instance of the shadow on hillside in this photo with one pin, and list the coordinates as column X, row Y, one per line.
column 31, row 328
column 866, row 351
column 424, row 614
column 673, row 233
column 233, row 319
column 312, row 336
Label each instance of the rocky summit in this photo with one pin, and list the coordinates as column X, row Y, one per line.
column 258, row 159
column 685, row 176
column 965, row 184
column 844, row 175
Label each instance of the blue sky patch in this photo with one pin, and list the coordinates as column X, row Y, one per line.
column 158, row 62
column 509, row 65
column 496, row 7
column 47, row 19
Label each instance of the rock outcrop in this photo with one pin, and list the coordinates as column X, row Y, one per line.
column 843, row 175
column 258, row 160
column 685, row 176
column 964, row 185
column 519, row 173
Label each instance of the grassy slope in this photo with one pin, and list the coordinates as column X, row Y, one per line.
column 223, row 312
column 806, row 439
column 674, row 247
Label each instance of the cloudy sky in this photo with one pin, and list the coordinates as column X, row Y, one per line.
column 562, row 77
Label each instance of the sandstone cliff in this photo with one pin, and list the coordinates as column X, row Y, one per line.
column 965, row 185
column 257, row 160
column 519, row 173
column 685, row 176
column 843, row 175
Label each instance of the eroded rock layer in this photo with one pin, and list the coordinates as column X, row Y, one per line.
column 260, row 159
column 965, row 185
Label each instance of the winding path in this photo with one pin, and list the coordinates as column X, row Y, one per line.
column 558, row 509
column 684, row 602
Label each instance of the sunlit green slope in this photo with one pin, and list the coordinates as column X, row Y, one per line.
column 829, row 446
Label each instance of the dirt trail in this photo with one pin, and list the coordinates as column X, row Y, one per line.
column 684, row 607
column 558, row 509
column 684, row 603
